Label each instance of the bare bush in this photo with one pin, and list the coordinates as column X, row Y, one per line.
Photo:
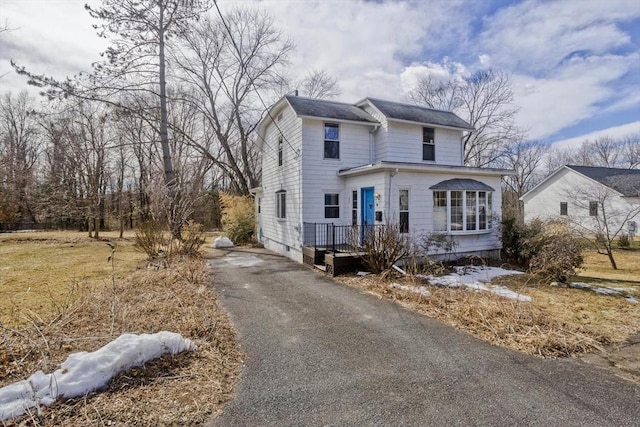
column 556, row 252
column 151, row 238
column 192, row 239
column 384, row 246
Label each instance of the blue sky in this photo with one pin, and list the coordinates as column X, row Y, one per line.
column 575, row 64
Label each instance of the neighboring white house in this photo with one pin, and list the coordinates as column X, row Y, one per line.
column 370, row 163
column 592, row 199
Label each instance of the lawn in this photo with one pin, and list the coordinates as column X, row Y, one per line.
column 40, row 270
column 597, row 267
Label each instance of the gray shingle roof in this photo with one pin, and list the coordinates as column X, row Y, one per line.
column 415, row 113
column 329, row 109
column 461, row 184
column 624, row 181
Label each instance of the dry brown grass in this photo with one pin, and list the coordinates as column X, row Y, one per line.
column 559, row 322
column 39, row 270
column 185, row 389
column 597, row 266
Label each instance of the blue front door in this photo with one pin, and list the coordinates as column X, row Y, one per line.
column 368, row 207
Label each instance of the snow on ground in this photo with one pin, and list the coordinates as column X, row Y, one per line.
column 622, row 292
column 242, row 260
column 222, row 242
column 416, row 289
column 84, row 372
column 478, row 278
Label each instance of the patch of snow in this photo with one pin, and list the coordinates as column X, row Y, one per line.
column 362, row 273
column 477, row 278
column 622, row 292
column 242, row 260
column 506, row 292
column 415, row 289
column 84, row 372
column 222, row 242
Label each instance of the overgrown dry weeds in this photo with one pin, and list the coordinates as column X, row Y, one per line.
column 185, row 389
column 558, row 323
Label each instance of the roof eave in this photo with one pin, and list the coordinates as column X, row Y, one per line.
column 470, row 129
column 363, row 122
column 424, row 168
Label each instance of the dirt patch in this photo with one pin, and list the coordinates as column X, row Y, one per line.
column 186, row 389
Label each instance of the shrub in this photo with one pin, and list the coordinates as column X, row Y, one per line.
column 384, row 245
column 238, row 217
column 555, row 252
column 151, row 238
column 191, row 239
column 624, row 242
column 518, row 240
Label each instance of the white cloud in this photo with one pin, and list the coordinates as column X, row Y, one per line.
column 615, row 132
column 538, row 36
column 57, row 41
column 550, row 104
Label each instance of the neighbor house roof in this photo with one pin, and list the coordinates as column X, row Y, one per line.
column 624, row 181
column 328, row 109
column 416, row 113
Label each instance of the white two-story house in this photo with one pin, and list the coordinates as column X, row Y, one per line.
column 370, row 163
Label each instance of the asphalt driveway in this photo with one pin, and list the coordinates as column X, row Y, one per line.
column 320, row 353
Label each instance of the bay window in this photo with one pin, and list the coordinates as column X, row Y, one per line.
column 461, row 210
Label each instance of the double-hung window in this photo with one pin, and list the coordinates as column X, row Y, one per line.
column 428, row 144
column 280, row 153
column 331, row 141
column 593, row 208
column 331, row 206
column 281, row 204
column 461, row 210
column 404, row 211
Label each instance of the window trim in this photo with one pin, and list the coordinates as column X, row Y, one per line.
column 431, row 143
column 326, row 140
column 281, row 205
column 488, row 213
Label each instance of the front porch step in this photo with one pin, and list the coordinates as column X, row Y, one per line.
column 320, row 267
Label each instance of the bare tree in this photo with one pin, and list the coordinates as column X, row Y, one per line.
column 525, row 158
column 604, row 151
column 319, row 84
column 598, row 211
column 19, row 150
column 235, row 64
column 135, row 64
column 484, row 100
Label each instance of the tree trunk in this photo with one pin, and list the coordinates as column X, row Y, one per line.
column 611, row 259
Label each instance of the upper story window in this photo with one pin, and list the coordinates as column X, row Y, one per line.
column 331, row 141
column 593, row 208
column 280, row 153
column 331, row 206
column 281, row 204
column 459, row 210
column 428, row 144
